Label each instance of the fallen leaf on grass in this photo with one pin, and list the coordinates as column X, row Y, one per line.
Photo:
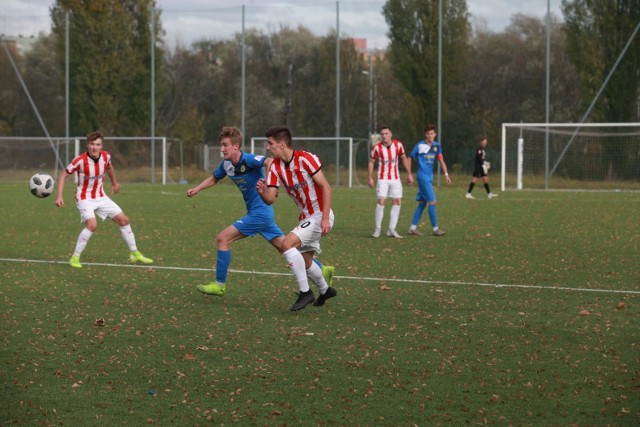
column 188, row 356
column 385, row 288
column 621, row 306
column 99, row 322
column 584, row 312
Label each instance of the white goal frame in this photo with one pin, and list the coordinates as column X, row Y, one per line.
column 549, row 167
column 78, row 142
column 337, row 141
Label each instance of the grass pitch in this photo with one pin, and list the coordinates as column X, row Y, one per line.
column 525, row 313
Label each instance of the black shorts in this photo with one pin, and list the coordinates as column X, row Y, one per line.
column 478, row 172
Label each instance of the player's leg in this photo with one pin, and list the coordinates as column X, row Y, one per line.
column 305, row 240
column 485, row 179
column 223, row 260
column 297, row 263
column 382, row 190
column 395, row 192
column 318, row 276
column 81, row 243
column 431, row 203
column 474, row 179
column 87, row 217
column 421, row 198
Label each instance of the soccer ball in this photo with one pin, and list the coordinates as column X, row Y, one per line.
column 41, row 185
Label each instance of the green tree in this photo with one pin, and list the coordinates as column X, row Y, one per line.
column 597, row 31
column 413, row 53
column 110, row 63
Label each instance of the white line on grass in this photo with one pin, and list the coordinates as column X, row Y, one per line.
column 373, row 279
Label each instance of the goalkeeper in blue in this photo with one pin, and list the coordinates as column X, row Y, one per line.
column 426, row 152
column 245, row 169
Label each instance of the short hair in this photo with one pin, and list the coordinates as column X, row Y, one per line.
column 385, row 127
column 95, row 135
column 231, row 132
column 483, row 138
column 280, row 133
column 431, row 127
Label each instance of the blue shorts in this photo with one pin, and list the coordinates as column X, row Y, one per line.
column 257, row 223
column 426, row 192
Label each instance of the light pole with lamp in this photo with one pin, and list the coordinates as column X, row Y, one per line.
column 372, row 103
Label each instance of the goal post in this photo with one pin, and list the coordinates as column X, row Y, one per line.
column 338, row 155
column 135, row 158
column 595, row 156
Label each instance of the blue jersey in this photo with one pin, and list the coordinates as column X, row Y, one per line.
column 426, row 157
column 245, row 174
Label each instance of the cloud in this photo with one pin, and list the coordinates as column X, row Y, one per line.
column 186, row 21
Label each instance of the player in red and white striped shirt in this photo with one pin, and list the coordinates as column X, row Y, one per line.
column 299, row 172
column 387, row 153
column 91, row 166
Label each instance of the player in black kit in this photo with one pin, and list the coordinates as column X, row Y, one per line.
column 480, row 170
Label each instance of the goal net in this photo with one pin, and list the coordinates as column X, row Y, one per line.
column 588, row 156
column 343, row 159
column 136, row 159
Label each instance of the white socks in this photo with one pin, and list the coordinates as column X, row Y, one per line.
column 393, row 217
column 379, row 215
column 127, row 235
column 83, row 239
column 315, row 274
column 296, row 262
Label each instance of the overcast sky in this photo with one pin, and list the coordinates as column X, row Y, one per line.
column 188, row 20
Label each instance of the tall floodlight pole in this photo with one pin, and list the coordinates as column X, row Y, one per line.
column 66, row 78
column 153, row 94
column 547, row 98
column 371, row 128
column 337, row 93
column 243, row 79
column 439, row 78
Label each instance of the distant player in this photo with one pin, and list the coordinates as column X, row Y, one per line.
column 481, row 170
column 299, row 172
column 426, row 152
column 91, row 166
column 388, row 152
column 244, row 169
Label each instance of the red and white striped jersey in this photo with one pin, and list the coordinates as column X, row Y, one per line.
column 388, row 157
column 90, row 175
column 297, row 178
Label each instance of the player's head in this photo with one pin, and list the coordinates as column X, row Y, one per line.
column 94, row 143
column 230, row 140
column 279, row 142
column 483, row 142
column 280, row 133
column 431, row 133
column 385, row 134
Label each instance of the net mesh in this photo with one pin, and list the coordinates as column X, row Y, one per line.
column 593, row 156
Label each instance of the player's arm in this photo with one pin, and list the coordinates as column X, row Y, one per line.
column 370, row 169
column 268, row 194
column 206, row 183
column 406, row 162
column 443, row 166
column 61, row 180
column 321, row 181
column 115, row 185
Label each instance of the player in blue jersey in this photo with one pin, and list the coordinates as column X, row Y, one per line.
column 426, row 152
column 245, row 169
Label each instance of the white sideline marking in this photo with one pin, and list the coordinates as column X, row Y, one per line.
column 376, row 279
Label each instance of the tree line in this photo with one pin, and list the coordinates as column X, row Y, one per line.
column 488, row 77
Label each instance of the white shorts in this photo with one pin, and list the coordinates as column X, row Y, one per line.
column 104, row 208
column 310, row 231
column 389, row 188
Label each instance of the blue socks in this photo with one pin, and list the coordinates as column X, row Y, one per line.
column 222, row 266
column 418, row 213
column 432, row 216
